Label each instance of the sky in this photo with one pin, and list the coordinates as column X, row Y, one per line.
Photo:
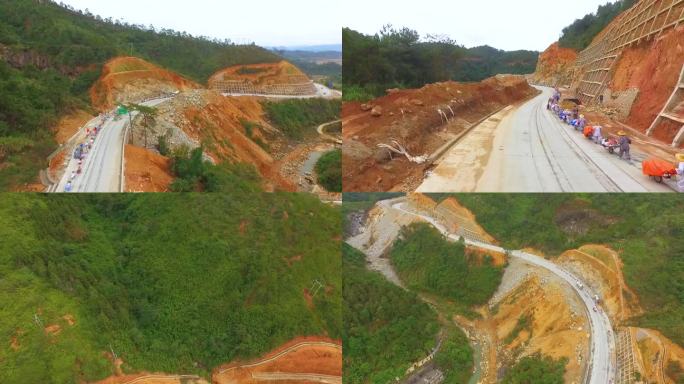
column 265, row 22
column 503, row 24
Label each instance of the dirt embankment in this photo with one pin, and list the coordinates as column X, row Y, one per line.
column 281, row 72
column 232, row 129
column 131, row 79
column 601, row 268
column 654, row 68
column 305, row 359
column 412, row 117
column 309, row 359
column 539, row 313
column 146, row 171
column 555, row 66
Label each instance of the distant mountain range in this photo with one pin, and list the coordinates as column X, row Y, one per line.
column 310, row 48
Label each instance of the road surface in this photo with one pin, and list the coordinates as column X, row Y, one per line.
column 526, row 148
column 101, row 170
column 602, row 367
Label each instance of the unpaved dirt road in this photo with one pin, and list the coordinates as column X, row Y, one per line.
column 101, row 170
column 525, row 148
column 602, row 368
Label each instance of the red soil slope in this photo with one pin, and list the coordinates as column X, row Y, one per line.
column 131, row 79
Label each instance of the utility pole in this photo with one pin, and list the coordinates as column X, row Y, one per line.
column 315, row 286
column 37, row 320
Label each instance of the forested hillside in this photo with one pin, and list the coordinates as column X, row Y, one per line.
column 51, row 55
column 401, row 58
column 172, row 283
column 647, row 231
column 386, row 328
column 579, row 34
column 426, row 261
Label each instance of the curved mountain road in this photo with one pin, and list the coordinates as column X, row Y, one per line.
column 102, row 166
column 603, row 366
column 525, row 148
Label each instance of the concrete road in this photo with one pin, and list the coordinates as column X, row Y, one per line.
column 526, row 148
column 602, row 367
column 101, row 170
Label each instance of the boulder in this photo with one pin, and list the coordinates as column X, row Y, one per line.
column 377, row 111
column 366, row 107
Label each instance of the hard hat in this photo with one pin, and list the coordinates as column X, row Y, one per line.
column 679, row 157
column 581, row 116
column 622, row 133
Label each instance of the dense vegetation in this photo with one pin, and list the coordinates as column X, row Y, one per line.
column 386, row 328
column 194, row 174
column 455, row 358
column 427, row 261
column 54, row 54
column 536, row 369
column 647, row 230
column 297, row 118
column 580, row 33
column 329, row 170
column 170, row 282
column 400, row 58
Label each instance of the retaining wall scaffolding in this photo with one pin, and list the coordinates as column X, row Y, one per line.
column 646, row 20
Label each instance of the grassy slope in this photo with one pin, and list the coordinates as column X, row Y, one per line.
column 385, row 328
column 329, row 170
column 647, row 230
column 298, row 118
column 170, row 281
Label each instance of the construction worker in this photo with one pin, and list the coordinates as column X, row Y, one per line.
column 624, row 145
column 597, row 134
column 581, row 123
column 680, row 171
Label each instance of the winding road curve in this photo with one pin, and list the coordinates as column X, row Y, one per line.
column 603, row 366
column 525, row 148
column 102, row 167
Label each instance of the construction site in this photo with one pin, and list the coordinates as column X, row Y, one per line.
column 494, row 135
column 576, row 306
column 301, row 360
column 230, row 124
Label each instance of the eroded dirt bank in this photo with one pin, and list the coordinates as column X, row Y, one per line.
column 419, row 120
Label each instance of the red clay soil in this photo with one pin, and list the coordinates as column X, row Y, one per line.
column 70, row 124
column 410, row 116
column 653, row 67
column 555, row 66
column 323, row 359
column 126, row 79
column 146, row 171
column 218, row 122
column 281, row 72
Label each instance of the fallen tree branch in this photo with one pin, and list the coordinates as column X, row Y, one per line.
column 399, row 149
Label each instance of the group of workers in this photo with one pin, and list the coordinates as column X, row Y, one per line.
column 595, row 132
column 622, row 142
column 82, row 150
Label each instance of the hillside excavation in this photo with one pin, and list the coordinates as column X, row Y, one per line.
column 301, row 360
column 487, row 138
column 542, row 305
column 116, row 153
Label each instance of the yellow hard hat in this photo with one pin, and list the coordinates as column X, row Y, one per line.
column 622, row 133
column 679, row 157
